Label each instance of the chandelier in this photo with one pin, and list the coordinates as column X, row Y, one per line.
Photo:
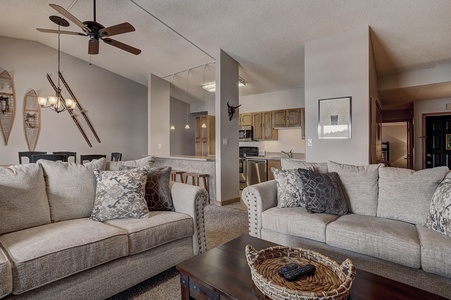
column 56, row 102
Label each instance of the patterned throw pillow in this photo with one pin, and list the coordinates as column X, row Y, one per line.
column 439, row 218
column 289, row 188
column 158, row 193
column 120, row 194
column 323, row 193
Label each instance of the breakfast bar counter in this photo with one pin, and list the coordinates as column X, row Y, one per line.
column 189, row 164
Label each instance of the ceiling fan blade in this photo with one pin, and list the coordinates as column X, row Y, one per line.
column 122, row 46
column 117, row 29
column 93, row 46
column 60, row 31
column 68, row 15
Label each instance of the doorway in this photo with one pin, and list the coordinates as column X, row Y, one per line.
column 437, row 141
column 394, row 138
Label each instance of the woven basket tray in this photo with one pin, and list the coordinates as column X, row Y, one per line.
column 329, row 281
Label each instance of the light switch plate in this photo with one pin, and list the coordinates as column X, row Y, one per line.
column 225, row 141
column 309, row 142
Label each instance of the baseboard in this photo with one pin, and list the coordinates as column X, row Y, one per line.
column 227, row 202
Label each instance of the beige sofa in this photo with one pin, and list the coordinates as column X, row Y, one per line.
column 383, row 232
column 49, row 249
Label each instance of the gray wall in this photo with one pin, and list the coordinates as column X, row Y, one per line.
column 159, row 116
column 182, row 139
column 338, row 66
column 116, row 106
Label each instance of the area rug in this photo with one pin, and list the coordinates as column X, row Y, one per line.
column 222, row 224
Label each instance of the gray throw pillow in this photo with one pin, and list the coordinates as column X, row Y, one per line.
column 158, row 192
column 23, row 198
column 323, row 193
column 289, row 188
column 120, row 194
column 439, row 218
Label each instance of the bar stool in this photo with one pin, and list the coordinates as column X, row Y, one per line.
column 174, row 174
column 195, row 178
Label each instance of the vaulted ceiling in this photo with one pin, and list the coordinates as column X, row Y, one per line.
column 266, row 37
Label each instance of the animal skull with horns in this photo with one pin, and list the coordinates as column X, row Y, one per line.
column 231, row 110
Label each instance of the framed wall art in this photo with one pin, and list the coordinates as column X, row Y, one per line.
column 334, row 118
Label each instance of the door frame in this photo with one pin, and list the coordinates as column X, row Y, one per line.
column 423, row 132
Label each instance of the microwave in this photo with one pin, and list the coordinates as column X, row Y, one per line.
column 246, row 134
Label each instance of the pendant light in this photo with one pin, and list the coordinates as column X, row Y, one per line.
column 56, row 102
column 187, row 106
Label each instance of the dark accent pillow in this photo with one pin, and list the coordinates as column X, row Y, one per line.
column 158, row 193
column 323, row 193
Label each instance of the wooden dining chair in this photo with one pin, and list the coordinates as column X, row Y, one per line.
column 68, row 154
column 52, row 157
column 28, row 154
column 116, row 156
column 89, row 157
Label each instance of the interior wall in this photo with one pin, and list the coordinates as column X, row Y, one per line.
column 420, row 108
column 182, row 139
column 396, row 135
column 159, row 116
column 116, row 106
column 289, row 139
column 227, row 156
column 338, row 66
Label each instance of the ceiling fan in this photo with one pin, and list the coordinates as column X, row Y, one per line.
column 94, row 30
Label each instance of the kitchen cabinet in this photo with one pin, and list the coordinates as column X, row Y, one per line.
column 269, row 133
column 262, row 126
column 205, row 135
column 246, row 119
column 257, row 125
column 273, row 163
column 287, row 117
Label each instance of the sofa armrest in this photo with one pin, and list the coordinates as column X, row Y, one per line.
column 191, row 200
column 258, row 198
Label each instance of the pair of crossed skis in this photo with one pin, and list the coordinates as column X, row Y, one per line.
column 70, row 110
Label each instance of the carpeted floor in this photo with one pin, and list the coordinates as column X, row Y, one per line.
column 222, row 224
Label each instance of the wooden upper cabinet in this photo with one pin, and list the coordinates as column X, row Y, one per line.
column 279, row 117
column 257, row 123
column 269, row 133
column 287, row 117
column 294, row 117
column 246, row 119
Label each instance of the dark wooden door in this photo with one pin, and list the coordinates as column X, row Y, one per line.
column 438, row 141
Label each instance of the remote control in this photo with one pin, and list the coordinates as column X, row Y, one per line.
column 290, row 266
column 293, row 274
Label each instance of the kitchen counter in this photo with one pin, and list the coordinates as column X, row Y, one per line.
column 278, row 156
column 187, row 157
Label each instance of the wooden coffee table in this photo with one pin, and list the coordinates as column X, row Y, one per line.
column 223, row 273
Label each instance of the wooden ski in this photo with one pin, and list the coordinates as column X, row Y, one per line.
column 79, row 106
column 70, row 111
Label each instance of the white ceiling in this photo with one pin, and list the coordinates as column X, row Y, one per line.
column 266, row 37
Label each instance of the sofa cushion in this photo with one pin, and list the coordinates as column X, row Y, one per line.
column 288, row 163
column 120, row 194
column 44, row 254
column 158, row 193
column 289, row 188
column 70, row 188
column 160, row 228
column 435, row 251
column 439, row 217
column 360, row 184
column 23, row 198
column 138, row 163
column 297, row 221
column 405, row 194
column 6, row 278
column 391, row 240
column 323, row 193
